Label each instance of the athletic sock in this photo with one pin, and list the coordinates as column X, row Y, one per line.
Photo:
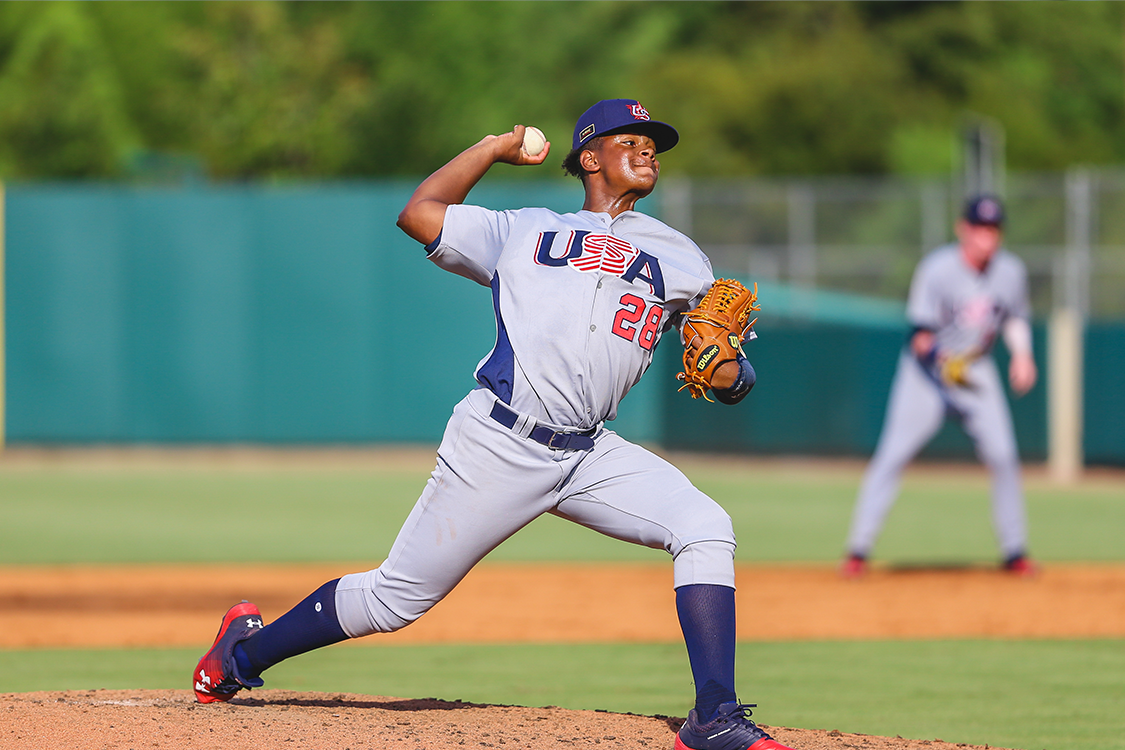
column 707, row 618
column 310, row 625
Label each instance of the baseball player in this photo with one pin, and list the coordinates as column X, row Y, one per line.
column 961, row 297
column 581, row 301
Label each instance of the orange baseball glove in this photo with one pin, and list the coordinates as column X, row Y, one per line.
column 713, row 333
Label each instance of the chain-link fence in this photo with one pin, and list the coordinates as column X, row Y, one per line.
column 865, row 235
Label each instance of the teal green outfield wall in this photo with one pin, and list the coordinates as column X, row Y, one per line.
column 1104, row 389
column 303, row 315
column 284, row 315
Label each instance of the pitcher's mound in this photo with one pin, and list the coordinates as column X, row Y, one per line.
column 171, row 719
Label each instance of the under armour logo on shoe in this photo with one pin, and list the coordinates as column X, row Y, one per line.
column 252, row 623
column 203, row 684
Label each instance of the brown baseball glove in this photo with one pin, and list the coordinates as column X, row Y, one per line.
column 713, row 332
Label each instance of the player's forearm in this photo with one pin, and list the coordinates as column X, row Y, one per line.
column 1017, row 336
column 424, row 213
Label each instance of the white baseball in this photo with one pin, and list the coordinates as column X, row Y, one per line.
column 533, row 141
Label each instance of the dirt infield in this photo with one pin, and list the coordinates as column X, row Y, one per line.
column 180, row 606
column 174, row 605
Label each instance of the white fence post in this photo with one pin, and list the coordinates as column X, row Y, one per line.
column 1066, row 333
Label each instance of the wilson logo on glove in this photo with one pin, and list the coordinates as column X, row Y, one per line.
column 706, row 357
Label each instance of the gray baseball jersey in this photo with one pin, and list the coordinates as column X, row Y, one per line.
column 581, row 301
column 966, row 310
column 579, row 306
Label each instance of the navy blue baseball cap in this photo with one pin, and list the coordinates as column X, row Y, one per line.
column 622, row 116
column 984, row 210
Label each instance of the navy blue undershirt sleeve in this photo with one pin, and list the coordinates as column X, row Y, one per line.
column 742, row 384
column 433, row 245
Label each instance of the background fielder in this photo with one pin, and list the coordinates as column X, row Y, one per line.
column 581, row 301
column 961, row 297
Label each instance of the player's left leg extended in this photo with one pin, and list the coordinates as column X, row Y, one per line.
column 469, row 505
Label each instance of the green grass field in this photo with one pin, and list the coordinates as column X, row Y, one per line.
column 1049, row 695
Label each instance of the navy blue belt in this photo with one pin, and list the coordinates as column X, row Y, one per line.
column 564, row 441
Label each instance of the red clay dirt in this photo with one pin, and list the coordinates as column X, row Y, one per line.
column 87, row 606
column 180, row 605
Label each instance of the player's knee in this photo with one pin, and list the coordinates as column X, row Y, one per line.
column 706, row 523
column 361, row 610
column 703, row 544
column 1000, row 458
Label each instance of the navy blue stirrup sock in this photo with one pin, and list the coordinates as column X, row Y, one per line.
column 310, row 625
column 707, row 618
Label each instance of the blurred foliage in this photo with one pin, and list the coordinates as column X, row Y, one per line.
column 280, row 90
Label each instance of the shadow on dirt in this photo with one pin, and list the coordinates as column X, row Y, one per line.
column 412, row 704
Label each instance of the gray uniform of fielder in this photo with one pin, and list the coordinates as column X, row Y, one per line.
column 581, row 301
column 966, row 310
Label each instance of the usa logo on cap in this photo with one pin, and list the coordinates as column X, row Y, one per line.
column 639, row 112
column 988, row 210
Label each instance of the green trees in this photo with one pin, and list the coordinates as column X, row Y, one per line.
column 62, row 107
column 284, row 90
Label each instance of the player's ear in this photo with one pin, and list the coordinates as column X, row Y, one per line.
column 588, row 160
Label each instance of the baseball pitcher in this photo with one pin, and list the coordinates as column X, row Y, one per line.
column 581, row 301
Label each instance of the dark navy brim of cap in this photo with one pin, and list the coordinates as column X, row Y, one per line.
column 661, row 133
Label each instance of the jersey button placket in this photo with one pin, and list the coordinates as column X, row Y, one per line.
column 594, row 327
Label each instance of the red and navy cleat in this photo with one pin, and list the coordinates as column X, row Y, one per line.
column 215, row 678
column 1021, row 566
column 853, row 566
column 731, row 729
